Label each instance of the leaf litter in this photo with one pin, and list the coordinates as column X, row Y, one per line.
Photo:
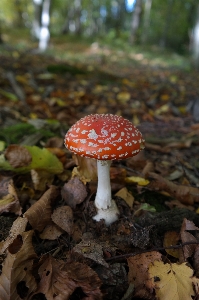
column 54, row 249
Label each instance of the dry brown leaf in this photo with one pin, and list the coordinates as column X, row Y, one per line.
column 186, row 236
column 51, row 232
column 39, row 214
column 196, row 261
column 171, row 238
column 59, row 280
column 18, row 227
column 89, row 248
column 138, row 272
column 74, row 192
column 128, row 197
column 63, row 217
column 17, row 268
column 86, row 170
column 9, row 201
column 18, row 156
column 172, row 281
column 185, row 194
column 41, row 179
column 149, row 167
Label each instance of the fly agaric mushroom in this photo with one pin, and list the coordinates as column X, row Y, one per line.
column 104, row 137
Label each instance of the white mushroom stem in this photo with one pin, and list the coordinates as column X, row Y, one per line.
column 106, row 207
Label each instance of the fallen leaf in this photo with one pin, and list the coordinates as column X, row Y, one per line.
column 18, row 156
column 172, row 281
column 89, row 248
column 186, row 236
column 86, row 170
column 171, row 238
column 74, row 192
column 139, row 180
column 138, row 272
column 41, row 159
column 123, row 97
column 63, row 217
column 128, row 197
column 61, row 279
column 17, row 268
column 9, row 201
column 39, row 214
column 41, row 179
column 51, row 232
column 18, row 227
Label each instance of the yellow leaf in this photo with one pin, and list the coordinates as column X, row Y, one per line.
column 139, row 180
column 172, row 281
column 164, row 97
column 124, row 194
column 136, row 120
column 162, row 109
column 123, row 97
column 172, row 238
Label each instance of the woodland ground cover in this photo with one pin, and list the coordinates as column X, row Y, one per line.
column 51, row 248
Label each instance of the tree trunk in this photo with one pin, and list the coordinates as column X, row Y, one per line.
column 78, row 8
column 45, row 21
column 163, row 42
column 195, row 41
column 36, row 25
column 135, row 23
column 146, row 21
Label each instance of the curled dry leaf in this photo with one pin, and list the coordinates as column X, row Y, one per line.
column 89, row 248
column 172, row 281
column 61, row 279
column 185, row 194
column 41, row 179
column 18, row 156
column 39, row 214
column 138, row 272
column 186, row 236
column 128, row 197
column 63, row 217
column 171, row 238
column 51, row 232
column 9, row 201
column 17, row 268
column 18, row 227
column 74, row 192
column 86, row 170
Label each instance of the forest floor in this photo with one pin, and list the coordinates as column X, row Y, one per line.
column 50, row 247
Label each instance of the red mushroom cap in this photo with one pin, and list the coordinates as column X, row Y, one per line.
column 104, row 137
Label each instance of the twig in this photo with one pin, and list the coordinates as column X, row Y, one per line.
column 150, row 250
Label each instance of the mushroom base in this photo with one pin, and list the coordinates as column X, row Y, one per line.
column 110, row 214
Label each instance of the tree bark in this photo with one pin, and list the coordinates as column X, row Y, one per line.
column 135, row 23
column 146, row 21
column 195, row 41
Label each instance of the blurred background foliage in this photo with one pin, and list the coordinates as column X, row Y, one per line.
column 167, row 25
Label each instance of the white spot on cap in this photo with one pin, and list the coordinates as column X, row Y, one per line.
column 84, row 131
column 105, row 156
column 90, row 144
column 104, row 132
column 113, row 135
column 83, row 141
column 119, row 148
column 92, row 134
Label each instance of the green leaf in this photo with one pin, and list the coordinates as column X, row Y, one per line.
column 42, row 159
